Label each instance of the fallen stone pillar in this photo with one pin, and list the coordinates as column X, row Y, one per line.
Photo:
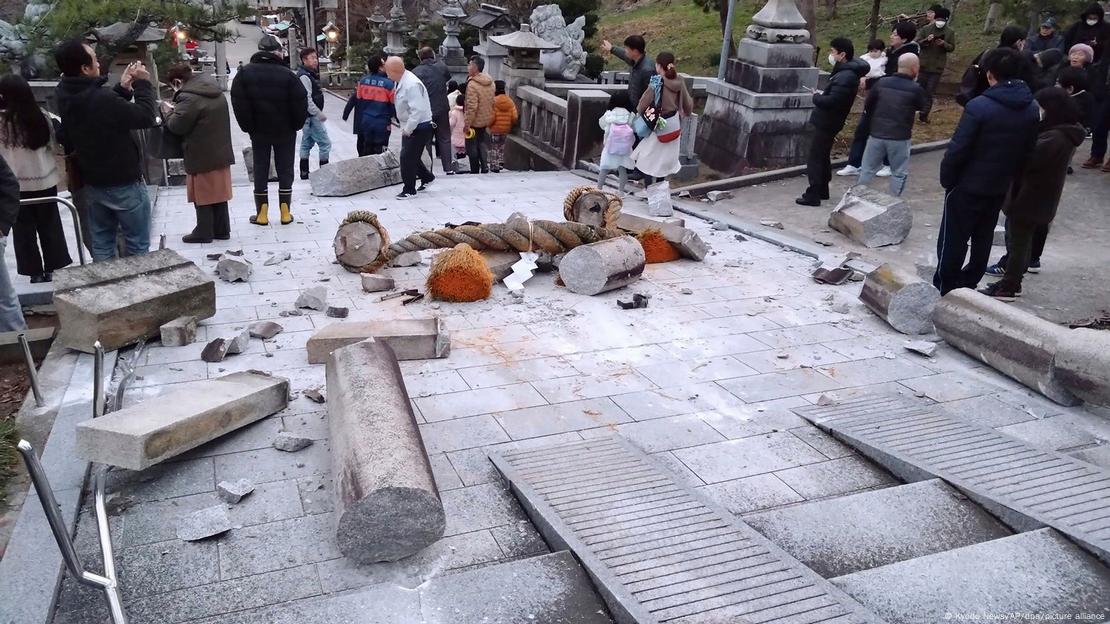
column 410, row 339
column 341, row 178
column 122, row 301
column 1083, row 364
column 872, row 218
column 386, row 503
column 900, row 298
column 688, row 243
column 1015, row 343
column 602, row 266
column 144, row 434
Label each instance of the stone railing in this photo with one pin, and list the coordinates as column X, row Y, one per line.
column 543, row 119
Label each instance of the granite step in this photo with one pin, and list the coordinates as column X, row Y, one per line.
column 839, row 536
column 1034, row 576
column 659, row 551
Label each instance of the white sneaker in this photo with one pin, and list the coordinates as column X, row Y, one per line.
column 848, row 170
column 884, row 172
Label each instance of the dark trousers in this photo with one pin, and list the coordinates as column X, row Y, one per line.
column 967, row 219
column 366, row 147
column 1100, row 128
column 39, row 224
column 929, row 81
column 442, row 141
column 478, row 151
column 1020, row 237
column 1040, row 237
column 819, row 165
column 284, row 150
column 412, row 157
column 859, row 141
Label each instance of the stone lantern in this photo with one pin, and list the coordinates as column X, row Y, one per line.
column 423, row 32
column 377, row 28
column 452, row 51
column 522, row 65
column 396, row 29
column 491, row 21
column 757, row 116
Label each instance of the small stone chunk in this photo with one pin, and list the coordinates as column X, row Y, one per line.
column 314, row 299
column 922, row 347
column 238, row 343
column 825, row 400
column 407, row 259
column 234, row 268
column 215, row 351
column 285, row 441
column 179, row 332
column 208, row 522
column 337, row 312
column 232, row 492
column 265, row 329
column 278, row 258
column 720, row 225
column 314, row 395
column 377, row 283
column 716, row 196
column 771, row 224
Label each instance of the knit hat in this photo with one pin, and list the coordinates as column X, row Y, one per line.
column 1084, row 49
column 269, row 43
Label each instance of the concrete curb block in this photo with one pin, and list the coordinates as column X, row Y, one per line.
column 900, row 298
column 1015, row 343
column 1083, row 364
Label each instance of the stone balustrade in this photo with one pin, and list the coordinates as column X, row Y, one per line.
column 543, row 120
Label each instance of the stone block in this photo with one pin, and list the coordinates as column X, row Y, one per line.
column 1013, row 342
column 179, row 332
column 38, row 339
column 315, row 298
column 231, row 492
column 341, row 178
column 763, row 54
column 900, row 299
column 688, row 243
column 500, row 263
column 416, row 339
column 771, row 79
column 248, row 161
column 122, row 301
column 602, row 266
column 741, row 130
column 1083, row 364
column 290, row 443
column 147, row 433
column 386, row 501
column 872, row 218
column 372, row 283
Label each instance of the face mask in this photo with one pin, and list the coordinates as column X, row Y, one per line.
column 1092, row 22
column 832, row 59
column 941, row 23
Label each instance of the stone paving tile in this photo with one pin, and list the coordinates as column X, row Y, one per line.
column 703, row 348
column 801, row 335
column 519, row 539
column 835, row 477
column 490, row 336
column 426, row 384
column 226, row 596
column 312, row 425
column 277, row 545
column 873, row 371
column 473, row 466
column 663, row 434
column 747, row 420
column 561, row 418
column 462, row 433
column 1054, row 433
column 449, row 553
column 724, row 326
column 770, row 386
column 741, row 496
column 479, row 507
column 605, row 362
column 156, row 354
column 649, row 404
column 151, row 569
column 444, row 473
column 474, row 402
column 1099, row 456
column 169, row 373
column 517, row 372
column 269, row 464
column 256, row 435
column 890, row 387
column 823, row 442
column 988, row 411
column 949, row 386
column 316, row 494
column 725, row 461
column 591, row 386
column 680, row 470
column 809, row 356
column 687, row 373
column 166, row 480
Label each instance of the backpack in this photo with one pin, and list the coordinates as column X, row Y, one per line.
column 621, row 139
column 973, row 82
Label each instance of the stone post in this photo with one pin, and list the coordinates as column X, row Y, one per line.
column 687, row 152
column 757, row 116
column 452, row 51
column 395, row 30
column 584, row 136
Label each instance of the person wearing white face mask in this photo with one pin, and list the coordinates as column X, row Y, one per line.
column 1091, row 29
column 936, row 39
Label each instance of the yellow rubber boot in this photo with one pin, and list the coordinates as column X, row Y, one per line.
column 285, row 198
column 261, row 207
column 286, row 215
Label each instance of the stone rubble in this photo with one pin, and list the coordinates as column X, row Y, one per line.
column 716, row 196
column 265, row 329
column 407, row 259
column 285, row 441
column 337, row 312
column 872, row 218
column 372, row 283
column 231, row 492
column 922, row 347
column 314, row 395
column 315, row 298
column 234, row 268
column 215, row 351
column 203, row 524
column 179, row 332
column 277, row 258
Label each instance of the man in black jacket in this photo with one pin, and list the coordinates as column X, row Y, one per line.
column 640, row 66
column 270, row 105
column 11, row 313
column 891, row 105
column 831, row 109
column 435, row 76
column 97, row 125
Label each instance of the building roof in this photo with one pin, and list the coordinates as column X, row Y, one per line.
column 118, row 30
column 487, row 15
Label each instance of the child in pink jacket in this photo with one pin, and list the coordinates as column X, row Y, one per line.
column 458, row 127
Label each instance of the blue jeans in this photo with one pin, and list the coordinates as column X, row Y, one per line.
column 11, row 313
column 315, row 133
column 114, row 208
column 897, row 153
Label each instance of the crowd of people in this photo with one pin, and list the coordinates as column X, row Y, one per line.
column 1029, row 103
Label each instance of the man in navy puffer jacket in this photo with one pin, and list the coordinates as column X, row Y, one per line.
column 994, row 137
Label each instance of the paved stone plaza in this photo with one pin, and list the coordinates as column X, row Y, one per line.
column 702, row 380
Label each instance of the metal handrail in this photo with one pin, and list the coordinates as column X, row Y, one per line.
column 72, row 211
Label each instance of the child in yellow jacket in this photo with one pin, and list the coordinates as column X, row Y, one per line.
column 505, row 117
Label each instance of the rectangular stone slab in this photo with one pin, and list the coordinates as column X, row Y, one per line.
column 122, row 301
column 147, row 433
column 688, row 243
column 415, row 339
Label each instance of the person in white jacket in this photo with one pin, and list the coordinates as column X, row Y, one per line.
column 616, row 152
column 414, row 113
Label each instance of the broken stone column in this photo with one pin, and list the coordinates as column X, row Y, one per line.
column 410, row 339
column 1083, row 364
column 1015, row 343
column 157, row 429
column 688, row 243
column 386, row 502
column 122, row 301
column 901, row 299
column 872, row 218
column 500, row 263
column 341, row 178
column 602, row 266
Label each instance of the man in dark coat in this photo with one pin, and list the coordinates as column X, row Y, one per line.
column 1091, row 29
column 270, row 105
column 435, row 76
column 891, row 105
column 97, row 125
column 640, row 67
column 831, row 109
column 1048, row 38
column 995, row 136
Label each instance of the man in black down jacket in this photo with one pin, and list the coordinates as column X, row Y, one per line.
column 270, row 105
column 435, row 76
column 995, row 135
column 831, row 109
column 96, row 128
column 892, row 104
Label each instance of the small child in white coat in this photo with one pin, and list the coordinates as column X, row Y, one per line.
column 620, row 138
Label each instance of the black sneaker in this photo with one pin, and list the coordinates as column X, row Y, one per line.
column 807, row 201
column 1002, row 291
column 424, row 185
column 405, row 195
column 996, row 270
column 1035, row 266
